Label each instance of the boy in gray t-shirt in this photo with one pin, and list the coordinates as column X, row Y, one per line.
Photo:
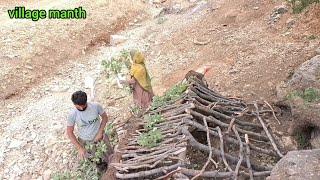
column 86, row 116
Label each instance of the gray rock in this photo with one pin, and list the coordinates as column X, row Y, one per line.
column 290, row 23
column 117, row 39
column 201, row 6
column 277, row 13
column 59, row 88
column 10, row 106
column 318, row 50
column 307, row 75
column 29, row 67
column 303, row 164
column 11, row 56
column 16, row 144
column 157, row 12
column 234, row 71
column 281, row 9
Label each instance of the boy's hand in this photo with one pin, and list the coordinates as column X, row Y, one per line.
column 98, row 137
column 82, row 153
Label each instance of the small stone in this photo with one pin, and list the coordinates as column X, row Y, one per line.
column 16, row 144
column 60, row 89
column 10, row 106
column 117, row 39
column 31, row 137
column 11, row 56
column 234, row 71
column 64, row 161
column 256, row 8
column 290, row 23
column 289, row 143
column 270, row 84
column 318, row 50
column 176, row 9
column 29, row 67
column 47, row 174
column 281, row 9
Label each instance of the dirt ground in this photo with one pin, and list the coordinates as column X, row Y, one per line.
column 44, row 62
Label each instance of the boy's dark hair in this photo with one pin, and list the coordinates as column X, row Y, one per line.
column 79, row 98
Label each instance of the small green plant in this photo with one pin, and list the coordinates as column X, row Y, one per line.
column 308, row 95
column 87, row 170
column 171, row 95
column 311, row 95
column 111, row 132
column 110, row 129
column 312, row 37
column 152, row 120
column 113, row 65
column 136, row 111
column 125, row 58
column 299, row 5
column 294, row 94
column 302, row 140
column 62, row 176
column 150, row 139
column 117, row 63
column 98, row 149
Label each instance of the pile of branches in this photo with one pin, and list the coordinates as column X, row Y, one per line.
column 235, row 134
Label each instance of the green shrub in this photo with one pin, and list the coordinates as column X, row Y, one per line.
column 150, row 139
column 112, row 134
column 117, row 63
column 299, row 5
column 171, row 95
column 152, row 120
column 302, row 140
column 62, row 176
column 308, row 95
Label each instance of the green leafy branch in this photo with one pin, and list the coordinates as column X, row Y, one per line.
column 117, row 63
column 112, row 134
column 171, row 95
column 150, row 139
column 152, row 120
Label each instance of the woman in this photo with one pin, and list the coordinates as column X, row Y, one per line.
column 140, row 81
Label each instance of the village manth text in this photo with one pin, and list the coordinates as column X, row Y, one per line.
column 36, row 14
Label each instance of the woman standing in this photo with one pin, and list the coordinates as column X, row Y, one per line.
column 140, row 81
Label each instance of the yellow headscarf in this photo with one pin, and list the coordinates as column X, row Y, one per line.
column 139, row 71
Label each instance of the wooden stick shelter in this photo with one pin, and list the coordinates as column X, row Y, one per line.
column 235, row 137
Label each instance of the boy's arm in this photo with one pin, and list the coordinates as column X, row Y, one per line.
column 104, row 120
column 75, row 142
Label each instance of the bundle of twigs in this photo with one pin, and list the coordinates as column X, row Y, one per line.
column 238, row 127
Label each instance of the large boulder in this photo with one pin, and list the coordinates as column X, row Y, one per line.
column 301, row 93
column 296, row 165
column 308, row 75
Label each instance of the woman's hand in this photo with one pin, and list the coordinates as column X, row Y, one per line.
column 122, row 81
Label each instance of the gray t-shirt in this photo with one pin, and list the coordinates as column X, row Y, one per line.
column 88, row 121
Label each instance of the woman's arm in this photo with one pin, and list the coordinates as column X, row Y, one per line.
column 129, row 82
